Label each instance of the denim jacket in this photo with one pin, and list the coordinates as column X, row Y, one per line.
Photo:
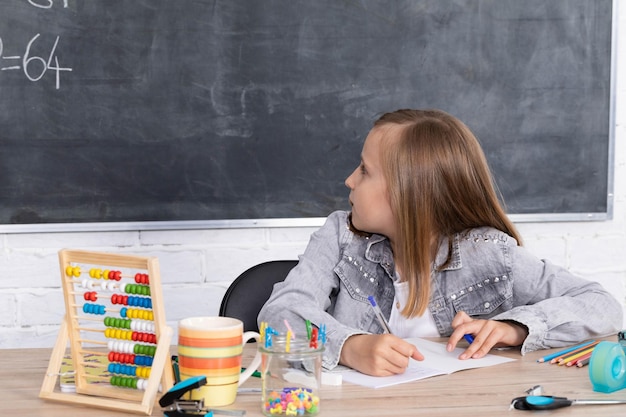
column 489, row 277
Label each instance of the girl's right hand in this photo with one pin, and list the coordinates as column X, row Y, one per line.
column 378, row 354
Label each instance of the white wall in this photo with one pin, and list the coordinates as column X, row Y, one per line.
column 198, row 265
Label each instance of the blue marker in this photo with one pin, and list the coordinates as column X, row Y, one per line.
column 469, row 338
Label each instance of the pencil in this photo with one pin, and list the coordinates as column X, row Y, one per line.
column 575, row 356
column 580, row 358
column 583, row 362
column 563, row 352
column 574, row 351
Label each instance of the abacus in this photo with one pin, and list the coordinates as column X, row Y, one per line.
column 119, row 315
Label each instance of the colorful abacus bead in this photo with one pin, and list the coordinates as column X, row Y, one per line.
column 121, row 369
column 87, row 283
column 119, row 299
column 134, row 313
column 121, row 357
column 72, row 271
column 114, row 275
column 143, row 360
column 135, row 301
column 117, row 322
column 90, row 296
column 125, row 382
column 142, row 278
column 136, row 289
column 143, row 326
column 93, row 308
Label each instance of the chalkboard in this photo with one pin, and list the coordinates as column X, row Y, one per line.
column 194, row 110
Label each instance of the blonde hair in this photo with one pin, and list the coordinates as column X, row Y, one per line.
column 439, row 184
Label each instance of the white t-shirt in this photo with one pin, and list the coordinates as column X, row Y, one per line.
column 422, row 326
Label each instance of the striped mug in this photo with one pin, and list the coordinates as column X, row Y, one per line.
column 213, row 347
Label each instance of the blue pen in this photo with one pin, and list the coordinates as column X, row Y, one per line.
column 468, row 338
column 379, row 314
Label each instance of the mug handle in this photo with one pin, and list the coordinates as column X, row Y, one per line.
column 254, row 365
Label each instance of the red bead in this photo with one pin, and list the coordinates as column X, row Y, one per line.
column 141, row 278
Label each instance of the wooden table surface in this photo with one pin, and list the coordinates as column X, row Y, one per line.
column 477, row 392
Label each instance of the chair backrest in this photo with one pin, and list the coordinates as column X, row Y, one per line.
column 245, row 297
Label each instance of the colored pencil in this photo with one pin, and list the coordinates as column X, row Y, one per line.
column 563, row 352
column 582, row 363
column 571, row 352
column 575, row 356
column 580, row 359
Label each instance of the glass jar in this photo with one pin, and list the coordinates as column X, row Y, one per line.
column 291, row 373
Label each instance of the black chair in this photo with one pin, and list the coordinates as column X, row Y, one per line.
column 245, row 297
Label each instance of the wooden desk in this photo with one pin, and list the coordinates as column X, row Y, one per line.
column 477, row 392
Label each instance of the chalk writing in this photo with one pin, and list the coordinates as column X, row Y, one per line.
column 47, row 4
column 34, row 67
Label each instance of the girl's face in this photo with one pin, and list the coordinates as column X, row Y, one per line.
column 369, row 199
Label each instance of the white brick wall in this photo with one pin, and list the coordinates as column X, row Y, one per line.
column 198, row 265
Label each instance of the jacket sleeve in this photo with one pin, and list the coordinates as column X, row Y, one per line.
column 308, row 291
column 558, row 307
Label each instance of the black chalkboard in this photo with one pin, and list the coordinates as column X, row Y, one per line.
column 166, row 111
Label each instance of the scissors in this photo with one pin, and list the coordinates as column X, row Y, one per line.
column 549, row 402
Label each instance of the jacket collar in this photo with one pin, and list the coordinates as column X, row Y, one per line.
column 379, row 250
column 442, row 254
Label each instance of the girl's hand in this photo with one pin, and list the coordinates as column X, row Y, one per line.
column 487, row 334
column 378, row 354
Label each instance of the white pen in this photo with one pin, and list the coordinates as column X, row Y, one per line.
column 379, row 314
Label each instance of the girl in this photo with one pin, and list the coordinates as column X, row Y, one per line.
column 429, row 240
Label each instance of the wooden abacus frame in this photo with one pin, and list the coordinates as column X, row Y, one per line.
column 104, row 395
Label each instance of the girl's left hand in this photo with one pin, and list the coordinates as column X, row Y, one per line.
column 487, row 334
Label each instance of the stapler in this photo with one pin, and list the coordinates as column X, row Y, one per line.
column 174, row 406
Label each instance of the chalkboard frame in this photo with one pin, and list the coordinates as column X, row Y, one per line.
column 317, row 221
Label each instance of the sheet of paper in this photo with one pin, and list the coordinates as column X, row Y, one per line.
column 437, row 361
